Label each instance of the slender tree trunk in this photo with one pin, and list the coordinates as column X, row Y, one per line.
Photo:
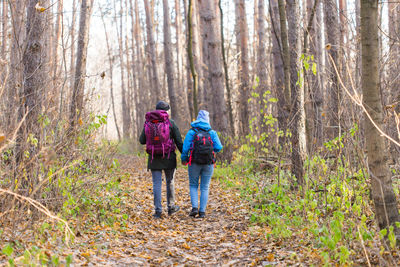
column 382, row 192
column 314, row 81
column 191, row 72
column 254, row 43
column 135, row 78
column 261, row 66
column 179, row 47
column 297, row 93
column 15, row 80
column 285, row 52
column 80, row 69
column 152, row 52
column 140, row 72
column 243, row 51
column 4, row 29
column 56, row 44
column 279, row 74
column 111, row 64
column 332, row 37
column 196, row 51
column 343, row 37
column 72, row 37
column 169, row 66
column 207, row 14
column 126, row 119
column 393, row 79
column 227, row 85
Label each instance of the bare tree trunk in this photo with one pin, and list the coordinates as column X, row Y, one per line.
column 134, row 66
column 227, row 85
column 72, row 34
column 212, row 49
column 56, row 44
column 261, row 66
column 393, row 73
column 111, row 64
column 253, row 44
column 140, row 72
column 126, row 120
column 80, row 69
column 343, row 37
column 196, row 51
column 179, row 46
column 314, row 80
column 152, row 52
column 192, row 83
column 285, row 52
column 279, row 75
column 297, row 93
column 34, row 77
column 4, row 29
column 332, row 37
column 243, row 51
column 206, row 15
column 169, row 66
column 382, row 192
column 15, row 80
column 212, row 42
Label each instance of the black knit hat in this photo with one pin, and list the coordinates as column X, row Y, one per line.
column 162, row 105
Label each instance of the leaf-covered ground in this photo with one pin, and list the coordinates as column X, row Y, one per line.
column 224, row 237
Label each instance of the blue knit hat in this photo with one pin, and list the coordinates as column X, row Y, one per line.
column 203, row 116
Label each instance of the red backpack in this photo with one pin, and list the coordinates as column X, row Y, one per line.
column 157, row 131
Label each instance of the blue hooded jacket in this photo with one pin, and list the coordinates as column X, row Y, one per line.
column 202, row 122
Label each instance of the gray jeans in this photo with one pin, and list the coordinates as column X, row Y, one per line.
column 157, row 183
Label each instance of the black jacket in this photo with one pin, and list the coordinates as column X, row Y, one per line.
column 158, row 162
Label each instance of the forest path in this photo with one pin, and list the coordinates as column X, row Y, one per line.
column 223, row 238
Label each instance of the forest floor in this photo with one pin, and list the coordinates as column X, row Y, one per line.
column 224, row 238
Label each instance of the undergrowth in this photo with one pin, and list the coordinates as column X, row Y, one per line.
column 77, row 183
column 331, row 216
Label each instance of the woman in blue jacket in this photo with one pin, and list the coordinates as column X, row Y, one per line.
column 201, row 165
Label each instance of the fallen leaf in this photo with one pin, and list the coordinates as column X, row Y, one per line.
column 185, row 245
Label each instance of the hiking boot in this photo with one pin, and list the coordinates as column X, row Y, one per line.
column 202, row 214
column 173, row 209
column 157, row 215
column 194, row 212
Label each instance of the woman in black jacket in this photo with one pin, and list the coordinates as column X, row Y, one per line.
column 158, row 163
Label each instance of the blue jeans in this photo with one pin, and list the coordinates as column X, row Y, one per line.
column 157, row 183
column 195, row 171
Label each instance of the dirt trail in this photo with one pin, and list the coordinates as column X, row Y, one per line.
column 223, row 238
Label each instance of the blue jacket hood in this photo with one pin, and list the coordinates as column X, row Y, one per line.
column 201, row 124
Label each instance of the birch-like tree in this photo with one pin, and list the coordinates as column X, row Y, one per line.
column 151, row 46
column 77, row 104
column 244, row 77
column 169, row 66
column 297, row 126
column 279, row 74
column 332, row 36
column 382, row 193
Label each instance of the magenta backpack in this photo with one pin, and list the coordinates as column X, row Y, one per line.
column 157, row 131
